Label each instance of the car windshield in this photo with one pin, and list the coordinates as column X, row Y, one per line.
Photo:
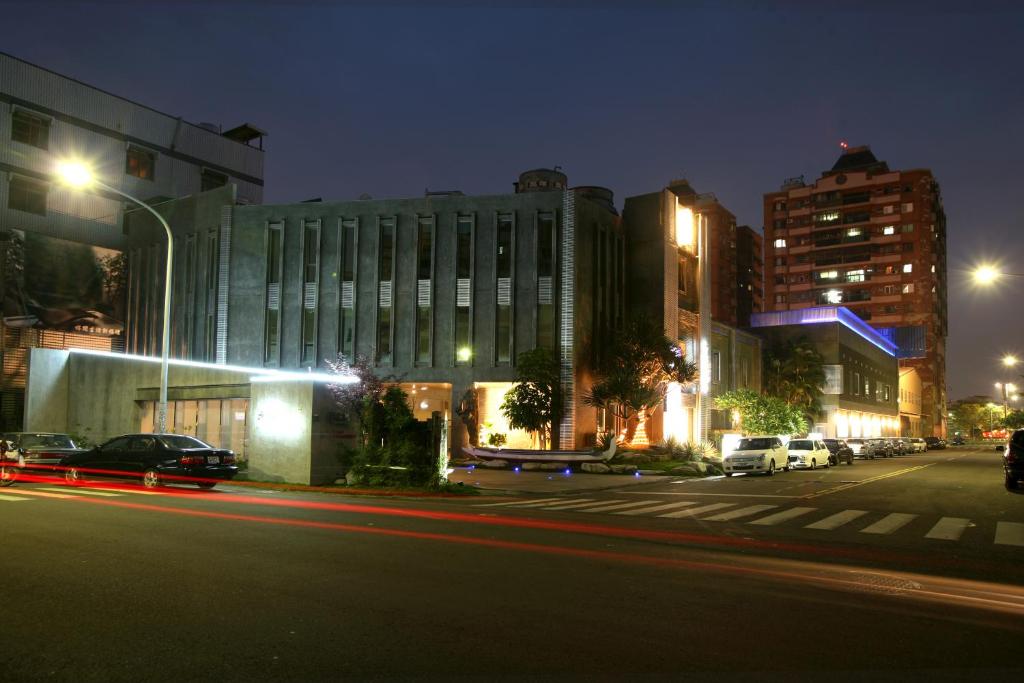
column 178, row 441
column 46, row 441
column 753, row 444
column 801, row 445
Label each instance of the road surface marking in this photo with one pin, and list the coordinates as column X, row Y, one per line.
column 837, row 520
column 1009, row 533
column 12, row 499
column 691, row 493
column 655, row 508
column 948, row 528
column 563, row 501
column 524, row 502
column 581, row 504
column 42, row 494
column 618, row 506
column 783, row 516
column 696, row 511
column 843, row 487
column 81, row 492
column 889, row 523
column 742, row 512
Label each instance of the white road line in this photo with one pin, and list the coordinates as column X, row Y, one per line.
column 837, row 520
column 1009, row 533
column 12, row 499
column 580, row 504
column 889, row 523
column 566, row 501
column 948, row 528
column 742, row 512
column 81, row 492
column 654, row 508
column 619, row 506
column 521, row 502
column 42, row 494
column 783, row 516
column 692, row 493
column 696, row 511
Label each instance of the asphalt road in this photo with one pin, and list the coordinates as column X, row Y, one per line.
column 108, row 583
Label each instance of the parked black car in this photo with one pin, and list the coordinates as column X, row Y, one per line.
column 935, row 443
column 156, row 459
column 33, row 453
column 1013, row 459
column 839, row 451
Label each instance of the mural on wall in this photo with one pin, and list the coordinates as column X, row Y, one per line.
column 55, row 284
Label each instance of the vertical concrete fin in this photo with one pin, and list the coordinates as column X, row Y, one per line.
column 567, row 430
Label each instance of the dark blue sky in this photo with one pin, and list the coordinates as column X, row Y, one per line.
column 392, row 98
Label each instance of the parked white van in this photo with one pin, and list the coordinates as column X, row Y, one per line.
column 808, row 453
column 761, row 454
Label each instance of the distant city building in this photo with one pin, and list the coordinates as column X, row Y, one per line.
column 873, row 240
column 62, row 281
column 861, row 370
column 749, row 274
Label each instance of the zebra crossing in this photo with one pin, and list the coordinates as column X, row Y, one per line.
column 65, row 492
column 770, row 515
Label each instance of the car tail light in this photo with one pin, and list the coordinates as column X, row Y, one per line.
column 193, row 460
column 1011, row 455
column 228, row 460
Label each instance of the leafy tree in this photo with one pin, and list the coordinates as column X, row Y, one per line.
column 635, row 371
column 535, row 401
column 1014, row 420
column 971, row 417
column 356, row 400
column 795, row 373
column 761, row 414
column 470, row 415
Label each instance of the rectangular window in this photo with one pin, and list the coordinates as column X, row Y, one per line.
column 503, row 272
column 347, row 310
column 385, row 272
column 716, row 366
column 464, row 290
column 424, row 295
column 833, row 379
column 212, row 272
column 546, row 280
column 272, row 338
column 907, row 207
column 907, row 227
column 140, row 163
column 889, row 230
column 908, row 288
column 855, row 275
column 310, row 288
column 889, row 208
column 30, row 129
column 908, row 267
column 24, row 194
column 780, row 244
column 211, row 180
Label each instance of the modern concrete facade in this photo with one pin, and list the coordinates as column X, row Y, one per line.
column 861, row 370
column 874, row 240
column 441, row 292
column 47, row 117
column 910, row 402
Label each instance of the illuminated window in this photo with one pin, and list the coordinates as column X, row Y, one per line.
column 889, row 230
column 829, row 275
column 908, row 288
column 853, row 232
column 933, row 269
column 908, row 267
column 834, row 296
column 890, row 208
column 780, row 244
column 140, row 163
column 855, row 275
column 907, row 207
column 463, row 290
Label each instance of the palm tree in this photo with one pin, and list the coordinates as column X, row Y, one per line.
column 795, row 372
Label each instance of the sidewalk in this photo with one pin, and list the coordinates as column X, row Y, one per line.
column 508, row 481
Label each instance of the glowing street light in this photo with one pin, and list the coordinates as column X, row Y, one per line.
column 1010, row 360
column 77, row 175
column 988, row 274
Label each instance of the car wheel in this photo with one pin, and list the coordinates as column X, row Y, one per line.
column 832, row 461
column 210, row 484
column 728, row 474
column 814, row 464
column 771, row 469
column 151, row 479
column 73, row 475
column 8, row 475
column 849, row 460
column 1011, row 482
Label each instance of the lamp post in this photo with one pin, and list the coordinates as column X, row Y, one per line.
column 79, row 176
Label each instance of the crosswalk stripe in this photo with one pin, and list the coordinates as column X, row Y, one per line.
column 697, row 511
column 581, row 503
column 42, row 494
column 569, row 501
column 889, row 523
column 1009, row 533
column 520, row 502
column 783, row 516
column 81, row 492
column 654, row 508
column 742, row 512
column 618, row 506
column 837, row 520
column 12, row 499
column 948, row 528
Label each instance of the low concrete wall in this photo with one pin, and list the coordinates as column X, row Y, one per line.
column 46, row 393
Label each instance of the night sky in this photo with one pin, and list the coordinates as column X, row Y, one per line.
column 393, row 98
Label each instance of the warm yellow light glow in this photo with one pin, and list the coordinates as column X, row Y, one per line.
column 985, row 275
column 1009, row 360
column 75, row 174
column 1011, row 387
column 685, row 229
column 464, row 353
column 674, row 422
column 999, row 385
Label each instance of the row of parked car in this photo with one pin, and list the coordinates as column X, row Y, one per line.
column 154, row 459
column 767, row 454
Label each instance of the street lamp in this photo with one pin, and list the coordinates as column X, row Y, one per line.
column 79, row 176
column 987, row 274
column 1009, row 360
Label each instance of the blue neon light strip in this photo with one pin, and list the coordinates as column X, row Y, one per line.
column 824, row 314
